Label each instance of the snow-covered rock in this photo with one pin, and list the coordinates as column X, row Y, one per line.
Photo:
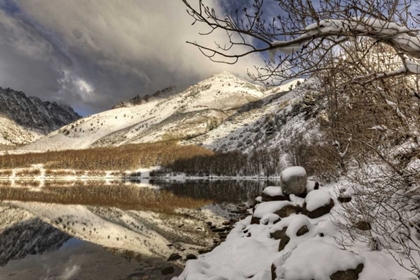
column 317, row 203
column 317, row 260
column 269, row 218
column 280, row 208
column 273, row 193
column 311, row 185
column 317, row 199
column 296, row 247
column 294, row 180
column 291, row 229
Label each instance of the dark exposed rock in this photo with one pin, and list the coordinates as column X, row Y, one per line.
column 266, row 197
column 222, row 235
column 288, row 210
column 174, row 257
column 282, row 236
column 302, row 231
column 191, row 257
column 220, row 229
column 344, row 199
column 321, row 211
column 363, row 225
column 277, row 235
column 349, row 274
column 203, row 251
column 273, row 272
column 167, row 270
column 283, row 242
column 255, row 220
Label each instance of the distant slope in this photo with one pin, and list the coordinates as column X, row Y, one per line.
column 186, row 115
column 24, row 119
column 270, row 123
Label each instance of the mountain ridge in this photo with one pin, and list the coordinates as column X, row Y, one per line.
column 186, row 115
column 25, row 119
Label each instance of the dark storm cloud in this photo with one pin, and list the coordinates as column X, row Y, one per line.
column 92, row 54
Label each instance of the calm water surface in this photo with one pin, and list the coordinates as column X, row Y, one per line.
column 113, row 230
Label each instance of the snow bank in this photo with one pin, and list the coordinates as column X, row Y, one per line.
column 247, row 252
column 313, row 251
column 316, row 260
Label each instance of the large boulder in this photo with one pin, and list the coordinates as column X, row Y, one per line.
column 294, row 180
column 312, row 185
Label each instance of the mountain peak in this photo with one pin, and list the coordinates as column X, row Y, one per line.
column 33, row 113
column 224, row 74
column 140, row 99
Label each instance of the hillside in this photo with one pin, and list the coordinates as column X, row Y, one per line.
column 24, row 119
column 191, row 114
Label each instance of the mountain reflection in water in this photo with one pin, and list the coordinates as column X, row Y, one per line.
column 139, row 227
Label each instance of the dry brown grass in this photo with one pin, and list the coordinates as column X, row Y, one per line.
column 79, row 173
column 59, row 183
column 126, row 157
column 6, row 173
column 59, row 173
column 97, row 194
column 28, row 173
column 96, row 173
column 5, row 183
column 28, row 183
column 117, row 173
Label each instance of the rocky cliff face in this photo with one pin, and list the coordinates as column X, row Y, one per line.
column 138, row 100
column 30, row 116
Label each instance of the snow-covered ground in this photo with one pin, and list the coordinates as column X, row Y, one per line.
column 307, row 248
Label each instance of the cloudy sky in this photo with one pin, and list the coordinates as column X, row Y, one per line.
column 91, row 54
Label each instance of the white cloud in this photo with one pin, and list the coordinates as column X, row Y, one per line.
column 83, row 86
column 130, row 31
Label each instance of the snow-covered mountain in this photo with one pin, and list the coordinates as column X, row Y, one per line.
column 221, row 103
column 24, row 119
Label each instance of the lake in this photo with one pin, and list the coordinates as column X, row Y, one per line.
column 115, row 230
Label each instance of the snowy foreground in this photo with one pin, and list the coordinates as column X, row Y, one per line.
column 286, row 245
